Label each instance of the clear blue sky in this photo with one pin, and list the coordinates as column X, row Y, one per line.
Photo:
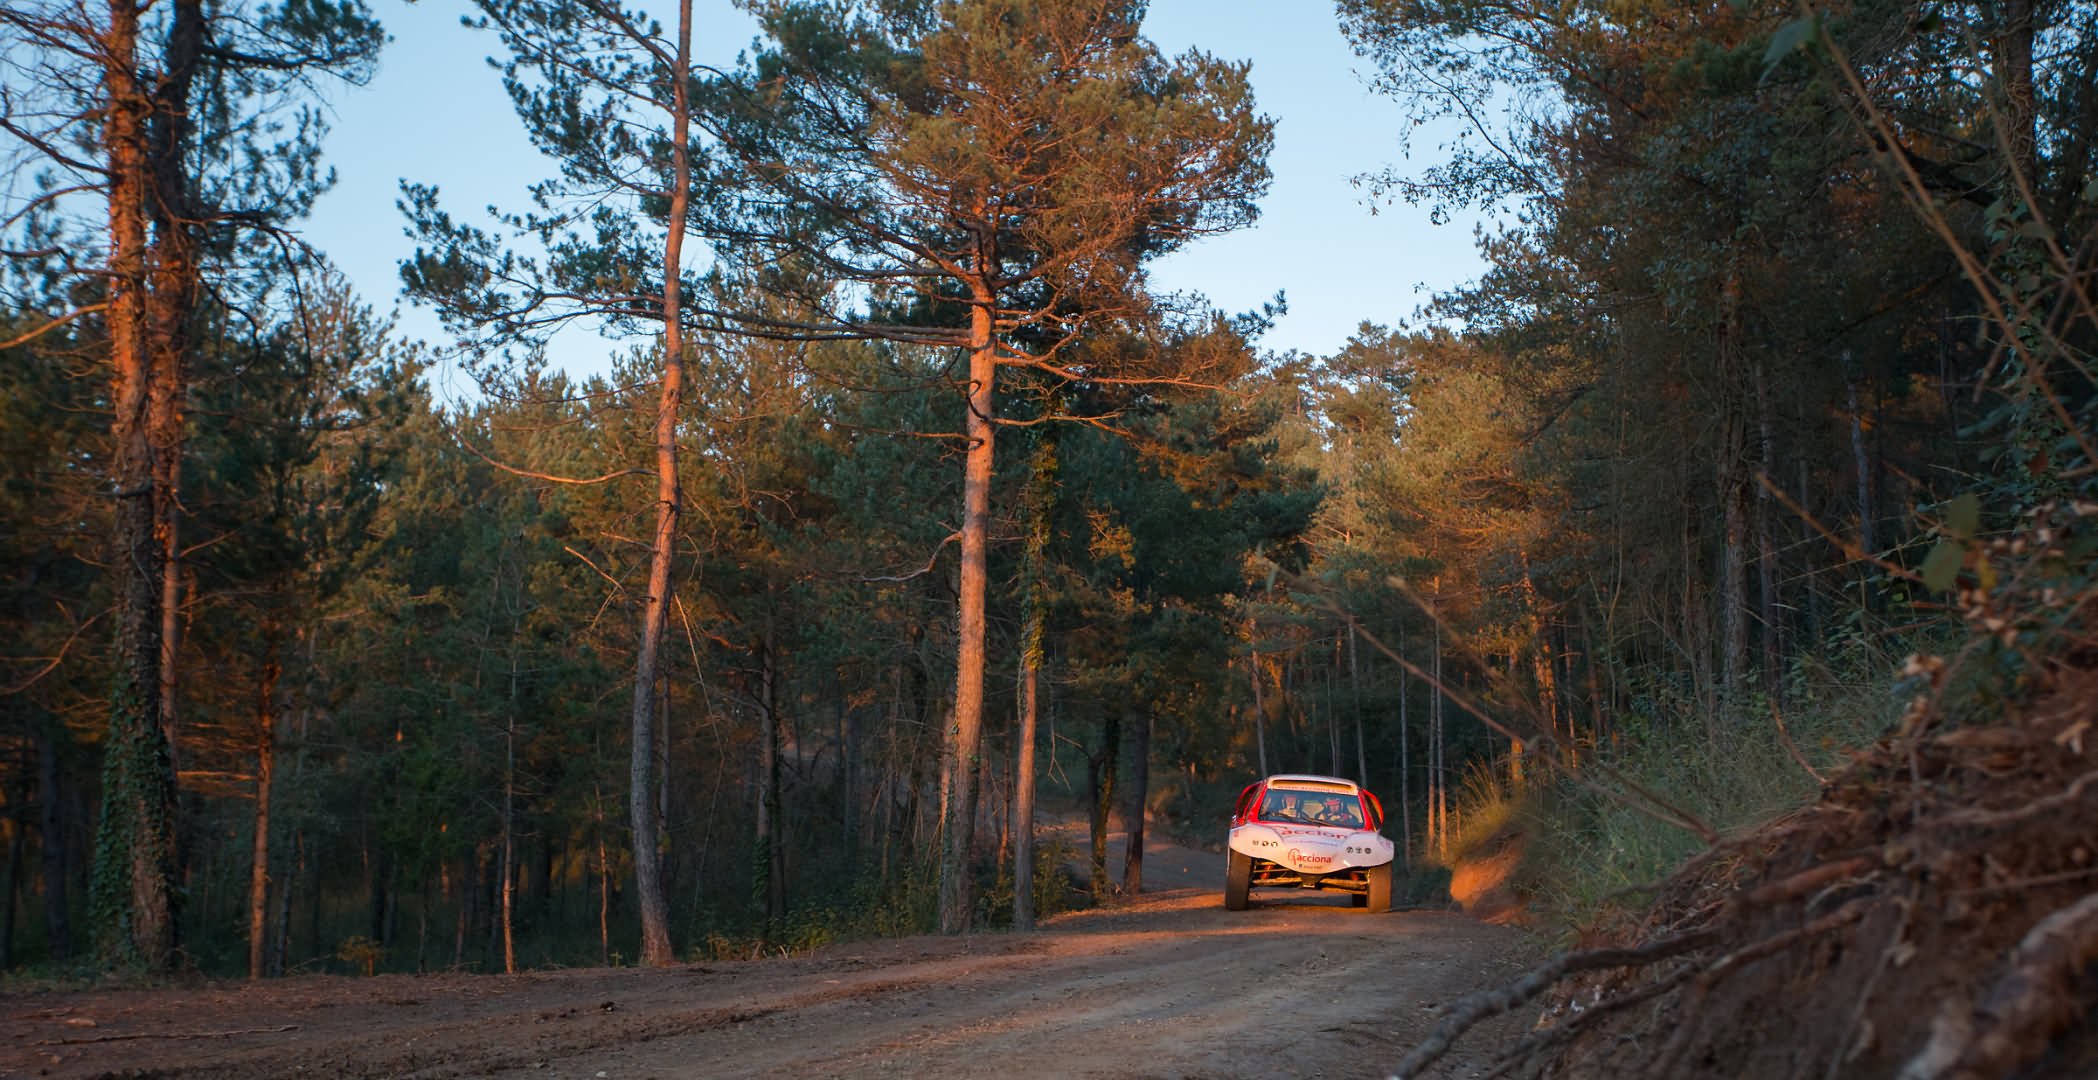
column 436, row 113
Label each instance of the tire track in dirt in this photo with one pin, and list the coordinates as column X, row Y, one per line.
column 1174, row 986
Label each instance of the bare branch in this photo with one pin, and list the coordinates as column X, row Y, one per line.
column 548, row 477
column 52, row 325
column 929, row 563
column 54, row 661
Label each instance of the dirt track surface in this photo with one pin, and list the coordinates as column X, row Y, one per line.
column 1171, row 985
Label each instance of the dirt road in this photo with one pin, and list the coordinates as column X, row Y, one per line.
column 1169, row 985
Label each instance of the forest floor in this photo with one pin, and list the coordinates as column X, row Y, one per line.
column 1165, row 984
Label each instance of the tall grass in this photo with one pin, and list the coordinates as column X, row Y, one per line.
column 1585, row 852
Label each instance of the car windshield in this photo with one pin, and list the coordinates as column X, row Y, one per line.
column 1312, row 808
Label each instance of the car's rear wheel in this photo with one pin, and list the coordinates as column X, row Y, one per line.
column 1379, row 898
column 1238, row 881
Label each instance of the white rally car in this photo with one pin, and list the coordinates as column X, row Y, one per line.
column 1309, row 832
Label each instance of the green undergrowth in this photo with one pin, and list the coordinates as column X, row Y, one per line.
column 1589, row 847
column 904, row 904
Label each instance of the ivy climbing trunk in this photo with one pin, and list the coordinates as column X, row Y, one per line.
column 133, row 899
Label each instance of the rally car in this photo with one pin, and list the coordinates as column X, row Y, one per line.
column 1308, row 832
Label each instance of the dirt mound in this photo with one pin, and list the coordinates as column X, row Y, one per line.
column 1933, row 915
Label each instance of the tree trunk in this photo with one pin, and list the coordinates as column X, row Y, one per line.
column 1333, row 714
column 957, row 884
column 2014, row 57
column 771, row 847
column 134, row 893
column 1260, row 722
column 1809, row 581
column 648, row 885
column 1023, row 775
column 509, row 830
column 1138, row 806
column 1867, row 540
column 265, row 772
column 461, row 923
column 1362, row 756
column 171, row 307
column 1766, row 544
column 14, row 893
column 1542, row 673
column 604, row 884
column 1438, row 809
column 283, row 961
column 1041, row 511
column 1733, row 572
column 1100, row 780
column 1405, row 767
column 853, row 824
column 378, row 882
column 667, row 864
column 58, row 926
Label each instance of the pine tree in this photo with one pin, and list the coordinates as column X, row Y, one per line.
column 989, row 176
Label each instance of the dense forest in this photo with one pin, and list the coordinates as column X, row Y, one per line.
column 911, row 511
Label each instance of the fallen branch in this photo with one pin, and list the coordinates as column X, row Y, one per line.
column 1461, row 1015
column 2035, row 808
column 167, row 1035
column 1793, row 747
column 1806, row 881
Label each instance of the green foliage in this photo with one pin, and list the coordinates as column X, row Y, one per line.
column 1053, row 891
column 1589, row 852
column 361, row 953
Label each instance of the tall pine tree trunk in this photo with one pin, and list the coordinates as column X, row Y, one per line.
column 1733, row 571
column 1260, row 712
column 171, row 313
column 1868, row 540
column 771, row 847
column 1766, row 545
column 648, row 885
column 1138, row 806
column 1041, row 507
column 265, row 773
column 1362, row 756
column 965, row 735
column 1405, row 766
column 1438, row 806
column 509, row 814
column 1101, row 768
column 1023, row 776
column 58, row 924
column 133, row 887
